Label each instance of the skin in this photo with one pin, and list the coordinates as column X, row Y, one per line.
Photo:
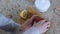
column 42, row 25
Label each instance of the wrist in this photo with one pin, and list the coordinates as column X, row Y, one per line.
column 39, row 29
column 23, row 29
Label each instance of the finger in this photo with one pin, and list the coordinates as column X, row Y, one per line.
column 47, row 25
column 41, row 22
column 45, row 30
column 45, row 21
column 33, row 17
column 28, row 22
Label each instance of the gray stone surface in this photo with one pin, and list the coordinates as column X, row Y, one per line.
column 13, row 7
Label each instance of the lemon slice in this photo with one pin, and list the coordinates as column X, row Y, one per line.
column 23, row 14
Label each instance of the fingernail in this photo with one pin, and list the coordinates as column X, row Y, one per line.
column 46, row 21
column 47, row 27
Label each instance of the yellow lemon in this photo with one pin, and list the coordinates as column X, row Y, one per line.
column 23, row 14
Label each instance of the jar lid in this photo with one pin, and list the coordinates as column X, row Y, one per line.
column 42, row 5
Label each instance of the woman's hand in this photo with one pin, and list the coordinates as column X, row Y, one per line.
column 27, row 24
column 42, row 26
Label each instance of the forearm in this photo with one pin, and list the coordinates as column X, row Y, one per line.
column 10, row 27
column 8, row 24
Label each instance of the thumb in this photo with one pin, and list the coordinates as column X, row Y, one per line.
column 33, row 18
column 30, row 20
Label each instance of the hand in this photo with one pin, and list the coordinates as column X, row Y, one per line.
column 42, row 26
column 28, row 23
